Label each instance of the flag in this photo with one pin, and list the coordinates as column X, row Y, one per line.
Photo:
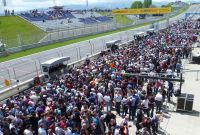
column 4, row 3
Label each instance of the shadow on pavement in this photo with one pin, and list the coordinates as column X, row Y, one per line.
column 194, row 113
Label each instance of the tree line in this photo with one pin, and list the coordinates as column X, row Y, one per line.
column 139, row 4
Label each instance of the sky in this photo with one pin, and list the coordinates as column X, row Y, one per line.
column 23, row 5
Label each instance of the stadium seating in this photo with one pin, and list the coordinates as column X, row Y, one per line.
column 30, row 17
column 50, row 15
column 103, row 19
column 54, row 19
column 88, row 20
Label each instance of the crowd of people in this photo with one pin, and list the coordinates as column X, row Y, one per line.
column 49, row 15
column 87, row 99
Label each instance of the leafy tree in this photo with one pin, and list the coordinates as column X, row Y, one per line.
column 136, row 4
column 150, row 3
column 147, row 3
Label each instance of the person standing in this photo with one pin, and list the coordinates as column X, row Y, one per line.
column 118, row 99
column 178, row 68
column 158, row 101
column 145, row 102
column 151, row 105
column 41, row 129
column 28, row 130
column 107, row 100
column 125, row 105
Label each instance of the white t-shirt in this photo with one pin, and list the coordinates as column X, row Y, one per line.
column 169, row 72
column 27, row 132
column 118, row 98
column 68, row 132
column 42, row 131
column 100, row 97
column 116, row 132
column 146, row 103
column 107, row 98
column 158, row 97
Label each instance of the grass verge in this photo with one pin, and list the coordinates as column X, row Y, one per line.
column 14, row 31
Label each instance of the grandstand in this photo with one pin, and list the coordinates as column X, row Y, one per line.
column 59, row 18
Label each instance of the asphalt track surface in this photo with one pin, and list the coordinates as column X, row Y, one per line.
column 27, row 67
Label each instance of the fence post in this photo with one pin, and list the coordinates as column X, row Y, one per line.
column 93, row 48
column 77, row 53
column 14, row 73
column 90, row 47
column 19, row 40
column 9, row 77
column 40, row 64
column 103, row 41
column 36, row 69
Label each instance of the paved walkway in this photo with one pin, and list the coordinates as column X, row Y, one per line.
column 180, row 123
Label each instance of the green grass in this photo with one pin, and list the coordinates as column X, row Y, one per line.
column 15, row 31
column 104, row 13
column 178, row 13
column 122, row 19
column 55, row 45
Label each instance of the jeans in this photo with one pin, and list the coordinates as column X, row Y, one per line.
column 169, row 95
column 151, row 110
column 178, row 72
column 118, row 107
column 125, row 110
column 146, row 110
column 132, row 111
column 158, row 106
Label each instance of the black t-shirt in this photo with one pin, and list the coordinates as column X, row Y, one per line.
column 109, row 117
column 76, row 117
